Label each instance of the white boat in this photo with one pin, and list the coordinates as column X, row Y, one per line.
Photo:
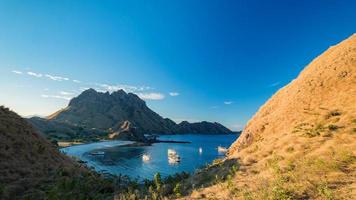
column 171, row 152
column 200, row 150
column 222, row 149
column 174, row 159
column 173, row 156
column 146, row 158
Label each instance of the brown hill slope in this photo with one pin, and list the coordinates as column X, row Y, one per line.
column 26, row 159
column 32, row 168
column 302, row 143
column 325, row 85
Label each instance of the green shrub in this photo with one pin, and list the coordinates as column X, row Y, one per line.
column 177, row 190
column 234, row 169
column 279, row 193
column 229, row 181
column 325, row 191
column 157, row 181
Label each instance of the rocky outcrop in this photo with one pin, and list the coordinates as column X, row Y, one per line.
column 128, row 132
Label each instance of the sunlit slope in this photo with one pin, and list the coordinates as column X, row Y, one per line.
column 301, row 143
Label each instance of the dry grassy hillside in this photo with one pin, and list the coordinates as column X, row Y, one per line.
column 32, row 168
column 301, row 144
column 26, row 159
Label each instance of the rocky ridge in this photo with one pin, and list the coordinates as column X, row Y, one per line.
column 97, row 113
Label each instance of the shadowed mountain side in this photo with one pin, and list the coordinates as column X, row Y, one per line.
column 26, row 159
column 32, row 168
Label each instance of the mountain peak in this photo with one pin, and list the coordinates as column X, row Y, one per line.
column 107, row 112
column 119, row 92
column 89, row 91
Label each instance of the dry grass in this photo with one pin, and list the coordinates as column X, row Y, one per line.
column 301, row 143
column 27, row 160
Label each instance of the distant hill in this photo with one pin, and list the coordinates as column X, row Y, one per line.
column 26, row 158
column 301, row 144
column 93, row 112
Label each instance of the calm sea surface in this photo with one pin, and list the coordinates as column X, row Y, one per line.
column 110, row 157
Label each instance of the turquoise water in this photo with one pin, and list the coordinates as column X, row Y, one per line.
column 128, row 160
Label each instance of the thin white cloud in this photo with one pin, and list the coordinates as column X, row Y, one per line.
column 126, row 88
column 151, row 96
column 237, row 127
column 51, row 77
column 66, row 93
column 17, row 72
column 56, row 78
column 35, row 74
column 102, row 91
column 174, row 94
column 76, row 81
column 228, row 102
column 274, row 84
column 56, row 97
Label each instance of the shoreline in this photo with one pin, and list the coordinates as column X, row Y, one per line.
column 142, row 144
column 65, row 144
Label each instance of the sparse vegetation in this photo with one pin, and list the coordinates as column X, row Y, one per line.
column 178, row 190
column 311, row 130
column 332, row 127
column 302, row 178
column 157, row 188
column 325, row 191
column 290, row 149
column 333, row 113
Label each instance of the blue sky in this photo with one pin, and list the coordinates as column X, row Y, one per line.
column 191, row 60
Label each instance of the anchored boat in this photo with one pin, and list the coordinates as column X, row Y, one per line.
column 146, row 157
column 173, row 156
column 222, row 149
